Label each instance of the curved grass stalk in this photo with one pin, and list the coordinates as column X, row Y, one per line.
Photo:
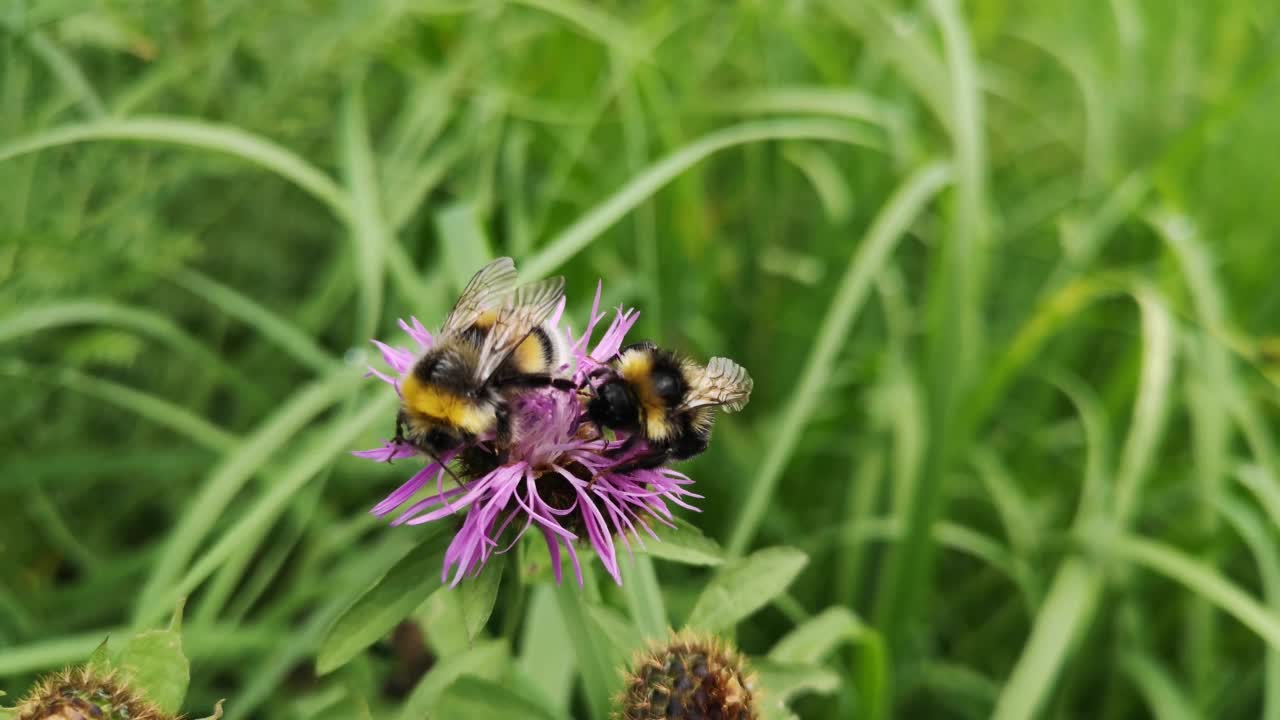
column 228, row 477
column 951, row 536
column 145, row 405
column 273, row 327
column 366, row 224
column 193, row 133
column 64, row 67
column 587, row 228
column 1078, row 583
column 312, row 457
column 864, row 265
column 1199, row 578
column 40, row 318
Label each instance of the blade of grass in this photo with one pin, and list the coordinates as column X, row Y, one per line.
column 1065, row 613
column 590, row 650
column 321, row 449
column 577, row 236
column 46, row 316
column 229, row 476
column 954, row 331
column 1257, row 536
column 644, row 595
column 1076, row 587
column 64, row 67
column 194, row 133
column 1165, row 699
column 367, row 227
column 462, row 241
column 1151, row 408
column 284, row 334
column 1203, row 580
column 53, row 525
column 145, row 405
column 594, row 23
column 865, row 263
column 545, row 658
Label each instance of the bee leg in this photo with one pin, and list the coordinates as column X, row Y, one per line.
column 535, row 381
column 399, row 438
column 652, row 459
column 626, row 446
column 502, row 433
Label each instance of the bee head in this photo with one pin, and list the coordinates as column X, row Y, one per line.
column 441, row 439
column 614, row 406
column 449, row 367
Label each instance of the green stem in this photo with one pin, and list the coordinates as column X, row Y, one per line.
column 644, row 596
column 588, row 646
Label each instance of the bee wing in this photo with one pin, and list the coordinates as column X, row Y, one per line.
column 724, row 383
column 488, row 288
column 523, row 311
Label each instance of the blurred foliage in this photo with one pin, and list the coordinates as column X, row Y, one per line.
column 209, row 206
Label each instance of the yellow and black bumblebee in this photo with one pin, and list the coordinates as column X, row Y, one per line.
column 665, row 399
column 495, row 342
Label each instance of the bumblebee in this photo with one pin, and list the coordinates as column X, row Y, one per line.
column 495, row 341
column 665, row 399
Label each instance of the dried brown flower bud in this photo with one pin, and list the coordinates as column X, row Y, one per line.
column 690, row 677
column 81, row 694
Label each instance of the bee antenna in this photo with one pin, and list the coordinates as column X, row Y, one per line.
column 444, row 466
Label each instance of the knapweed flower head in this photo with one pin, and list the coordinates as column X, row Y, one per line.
column 84, row 694
column 691, row 677
column 555, row 476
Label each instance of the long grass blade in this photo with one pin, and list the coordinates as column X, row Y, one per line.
column 899, row 212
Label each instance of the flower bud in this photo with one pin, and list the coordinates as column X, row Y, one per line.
column 82, row 694
column 691, row 677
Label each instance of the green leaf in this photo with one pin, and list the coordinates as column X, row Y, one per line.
column 368, row 228
column 621, row 634
column 389, row 601
column 477, row 595
column 153, row 663
column 592, row 651
column 782, row 681
column 224, row 482
column 646, row 183
column 545, row 658
column 1165, row 698
column 643, row 595
column 814, row 639
column 443, row 624
column 685, row 544
column 100, row 661
column 471, row 697
column 217, row 711
column 487, row 659
column 746, row 585
column 465, row 247
column 865, row 265
column 1202, row 579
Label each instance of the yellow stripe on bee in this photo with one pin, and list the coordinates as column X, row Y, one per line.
column 529, row 357
column 446, row 407
column 656, row 426
column 486, row 319
column 636, row 367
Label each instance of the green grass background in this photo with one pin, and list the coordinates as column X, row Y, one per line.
column 1004, row 274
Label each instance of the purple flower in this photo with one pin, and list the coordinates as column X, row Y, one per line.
column 556, row 479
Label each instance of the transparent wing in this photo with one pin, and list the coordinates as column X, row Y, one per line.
column 724, row 383
column 524, row 310
column 488, row 288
